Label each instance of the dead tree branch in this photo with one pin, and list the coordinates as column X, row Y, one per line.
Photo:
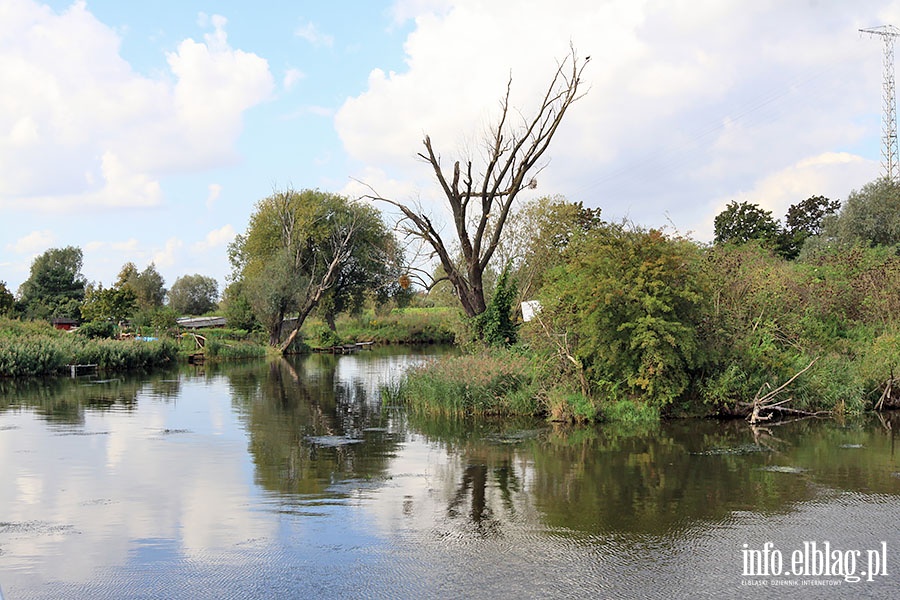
column 480, row 204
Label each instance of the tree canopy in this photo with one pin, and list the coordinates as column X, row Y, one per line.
column 193, row 294
column 298, row 246
column 870, row 215
column 7, row 300
column 629, row 303
column 111, row 304
column 55, row 287
column 741, row 222
column 148, row 285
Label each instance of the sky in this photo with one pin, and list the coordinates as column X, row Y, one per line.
column 147, row 131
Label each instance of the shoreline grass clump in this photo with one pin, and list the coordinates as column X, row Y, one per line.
column 31, row 349
column 400, row 326
column 486, row 383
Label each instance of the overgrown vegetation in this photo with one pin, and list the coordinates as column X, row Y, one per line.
column 636, row 323
column 34, row 349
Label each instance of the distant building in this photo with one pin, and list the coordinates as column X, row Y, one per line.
column 200, row 322
column 64, row 323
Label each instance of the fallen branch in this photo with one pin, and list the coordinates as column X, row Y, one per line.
column 765, row 404
column 887, row 394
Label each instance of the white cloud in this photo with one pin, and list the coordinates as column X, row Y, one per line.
column 292, row 77
column 831, row 174
column 686, row 102
column 34, row 242
column 106, row 133
column 128, row 247
column 215, row 190
column 168, row 255
column 215, row 238
column 309, row 31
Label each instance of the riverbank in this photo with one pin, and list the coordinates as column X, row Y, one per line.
column 31, row 349
column 35, row 348
column 528, row 380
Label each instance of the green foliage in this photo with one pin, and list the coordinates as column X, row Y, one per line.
column 55, row 287
column 400, row 326
column 740, row 223
column 495, row 326
column 322, row 336
column 7, row 301
column 237, row 309
column 629, row 413
column 29, row 350
column 870, row 215
column 536, row 235
column 496, row 382
column 114, row 304
column 304, row 248
column 565, row 405
column 155, row 321
column 217, row 349
column 804, row 220
column 193, row 294
column 147, row 285
column 98, row 329
column 632, row 301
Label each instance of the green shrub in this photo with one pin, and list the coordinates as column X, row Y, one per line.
column 98, row 329
column 632, row 303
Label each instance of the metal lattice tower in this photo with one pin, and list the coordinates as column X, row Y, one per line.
column 889, row 156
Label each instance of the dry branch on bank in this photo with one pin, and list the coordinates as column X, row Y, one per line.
column 765, row 407
column 888, row 399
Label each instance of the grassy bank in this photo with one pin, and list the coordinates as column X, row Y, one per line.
column 514, row 382
column 30, row 349
column 224, row 344
column 401, row 326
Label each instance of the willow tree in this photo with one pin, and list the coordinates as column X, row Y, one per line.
column 481, row 194
column 297, row 246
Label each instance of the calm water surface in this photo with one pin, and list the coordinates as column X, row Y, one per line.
column 290, row 480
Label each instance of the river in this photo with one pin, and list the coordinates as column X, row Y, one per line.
column 289, row 479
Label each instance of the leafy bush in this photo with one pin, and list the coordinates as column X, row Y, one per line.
column 632, row 301
column 98, row 329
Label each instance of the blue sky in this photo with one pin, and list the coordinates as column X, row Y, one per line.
column 146, row 131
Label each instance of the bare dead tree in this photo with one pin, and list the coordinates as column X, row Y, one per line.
column 480, row 203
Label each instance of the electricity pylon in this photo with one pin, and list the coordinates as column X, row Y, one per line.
column 889, row 156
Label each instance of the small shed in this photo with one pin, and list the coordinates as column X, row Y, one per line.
column 200, row 322
column 64, row 323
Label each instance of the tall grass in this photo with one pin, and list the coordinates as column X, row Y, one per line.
column 401, row 326
column 495, row 383
column 33, row 349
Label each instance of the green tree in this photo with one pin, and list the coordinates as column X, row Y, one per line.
column 55, row 287
column 7, row 301
column 630, row 303
column 804, row 220
column 148, row 285
column 536, row 236
column 237, row 308
column 295, row 249
column 373, row 269
column 110, row 304
column 496, row 325
column 740, row 223
column 870, row 215
column 193, row 294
